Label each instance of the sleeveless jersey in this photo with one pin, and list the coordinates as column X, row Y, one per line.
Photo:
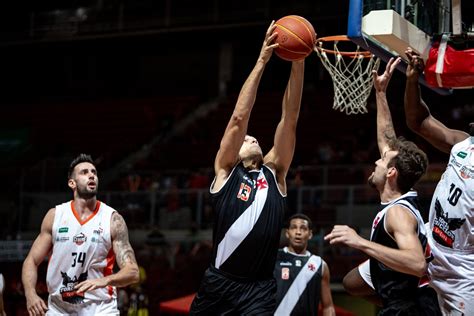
column 249, row 210
column 395, row 287
column 452, row 205
column 298, row 280
column 451, row 234
column 81, row 250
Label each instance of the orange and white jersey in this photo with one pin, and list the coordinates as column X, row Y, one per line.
column 82, row 249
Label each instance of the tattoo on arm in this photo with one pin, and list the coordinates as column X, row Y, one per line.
column 123, row 250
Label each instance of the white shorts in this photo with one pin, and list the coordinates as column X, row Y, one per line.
column 57, row 307
column 452, row 276
column 364, row 271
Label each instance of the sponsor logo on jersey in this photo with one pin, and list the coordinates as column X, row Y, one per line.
column 298, row 263
column 462, row 154
column 455, row 163
column 67, row 291
column 98, row 231
column 96, row 240
column 250, row 181
column 79, row 239
column 444, row 226
column 62, row 239
column 286, row 263
column 63, row 229
column 466, row 172
column 285, row 273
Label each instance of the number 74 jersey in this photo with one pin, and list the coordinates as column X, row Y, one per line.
column 82, row 249
column 452, row 206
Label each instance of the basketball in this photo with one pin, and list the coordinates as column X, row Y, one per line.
column 296, row 38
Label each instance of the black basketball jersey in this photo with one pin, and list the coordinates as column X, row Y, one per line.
column 298, row 280
column 392, row 286
column 249, row 212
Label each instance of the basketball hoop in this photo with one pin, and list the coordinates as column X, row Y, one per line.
column 351, row 76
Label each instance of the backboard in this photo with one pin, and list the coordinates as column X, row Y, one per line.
column 388, row 27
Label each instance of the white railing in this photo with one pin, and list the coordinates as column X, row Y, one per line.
column 185, row 208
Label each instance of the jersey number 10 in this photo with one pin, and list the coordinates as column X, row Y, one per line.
column 454, row 194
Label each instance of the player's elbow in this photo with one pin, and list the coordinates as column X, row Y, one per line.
column 420, row 267
column 134, row 274
column 413, row 124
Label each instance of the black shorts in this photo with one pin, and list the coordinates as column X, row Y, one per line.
column 221, row 294
column 427, row 300
column 425, row 304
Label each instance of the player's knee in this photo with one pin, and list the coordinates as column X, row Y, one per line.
column 349, row 285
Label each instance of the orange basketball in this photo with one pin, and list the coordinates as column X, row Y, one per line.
column 296, row 38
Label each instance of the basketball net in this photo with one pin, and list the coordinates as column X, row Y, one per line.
column 351, row 74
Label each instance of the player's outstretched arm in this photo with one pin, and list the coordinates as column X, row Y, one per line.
column 385, row 129
column 236, row 129
column 280, row 156
column 418, row 116
column 326, row 297
column 124, row 256
column 408, row 258
column 29, row 275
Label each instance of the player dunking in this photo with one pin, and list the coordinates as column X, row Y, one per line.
column 302, row 278
column 398, row 239
column 451, row 221
column 248, row 196
column 84, row 237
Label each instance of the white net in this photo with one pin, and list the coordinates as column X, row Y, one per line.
column 352, row 78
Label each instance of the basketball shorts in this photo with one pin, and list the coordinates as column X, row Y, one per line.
column 221, row 294
column 56, row 307
column 364, row 271
column 426, row 298
column 452, row 275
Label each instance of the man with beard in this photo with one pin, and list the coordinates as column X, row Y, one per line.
column 248, row 197
column 398, row 239
column 83, row 238
column 451, row 221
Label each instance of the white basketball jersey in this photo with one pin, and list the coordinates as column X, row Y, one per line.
column 81, row 250
column 452, row 233
column 452, row 206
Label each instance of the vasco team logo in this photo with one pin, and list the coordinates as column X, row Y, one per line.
column 79, row 239
column 67, row 291
column 443, row 226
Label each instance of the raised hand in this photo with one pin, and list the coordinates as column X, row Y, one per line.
column 268, row 43
column 416, row 64
column 381, row 82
